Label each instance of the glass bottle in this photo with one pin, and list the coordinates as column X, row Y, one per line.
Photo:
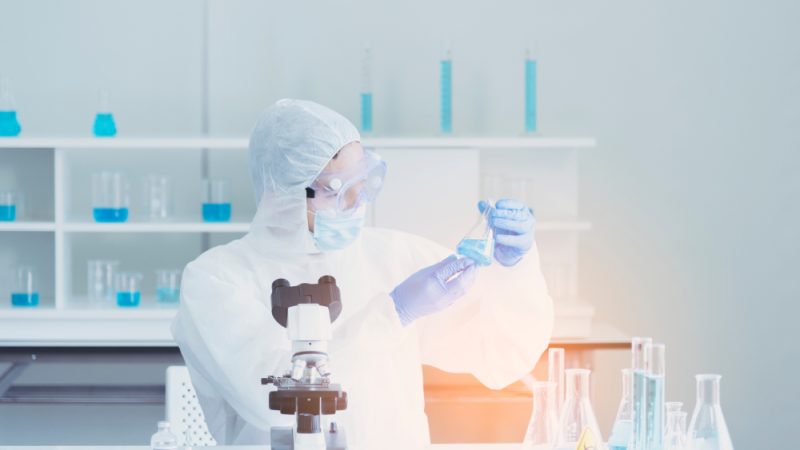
column 621, row 433
column 675, row 436
column 478, row 244
column 707, row 429
column 542, row 428
column 578, row 425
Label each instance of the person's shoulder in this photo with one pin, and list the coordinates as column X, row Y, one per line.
column 221, row 260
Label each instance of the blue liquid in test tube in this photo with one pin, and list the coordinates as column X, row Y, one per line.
column 530, row 95
column 24, row 299
column 446, row 92
column 655, row 413
column 8, row 213
column 216, row 212
column 366, row 112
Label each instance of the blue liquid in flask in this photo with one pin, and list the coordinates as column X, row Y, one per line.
column 24, row 299
column 216, row 212
column 446, row 92
column 110, row 214
column 620, row 435
column 8, row 213
column 104, row 125
column 475, row 249
column 168, row 295
column 366, row 112
column 9, row 125
column 530, row 95
column 128, row 299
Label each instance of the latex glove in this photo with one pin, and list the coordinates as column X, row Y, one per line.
column 433, row 288
column 512, row 223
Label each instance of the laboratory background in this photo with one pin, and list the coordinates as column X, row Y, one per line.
column 657, row 143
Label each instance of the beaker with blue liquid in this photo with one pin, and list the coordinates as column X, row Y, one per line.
column 25, row 292
column 128, row 289
column 216, row 201
column 110, row 197
column 8, row 206
column 104, row 125
column 9, row 124
column 168, row 286
column 478, row 244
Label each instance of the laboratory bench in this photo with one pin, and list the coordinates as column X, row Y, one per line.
column 255, row 447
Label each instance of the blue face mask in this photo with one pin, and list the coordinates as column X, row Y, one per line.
column 332, row 231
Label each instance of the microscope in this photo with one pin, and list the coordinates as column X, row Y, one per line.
column 305, row 390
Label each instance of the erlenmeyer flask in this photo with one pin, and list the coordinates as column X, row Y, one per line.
column 675, row 437
column 478, row 244
column 9, row 124
column 104, row 125
column 621, row 433
column 578, row 424
column 707, row 429
column 542, row 428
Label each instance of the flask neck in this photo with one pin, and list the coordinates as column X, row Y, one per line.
column 544, row 397
column 577, row 381
column 708, row 389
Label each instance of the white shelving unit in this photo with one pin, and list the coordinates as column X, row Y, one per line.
column 65, row 316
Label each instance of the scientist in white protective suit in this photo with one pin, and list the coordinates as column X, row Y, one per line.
column 406, row 301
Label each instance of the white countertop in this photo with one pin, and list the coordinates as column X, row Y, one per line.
column 258, row 447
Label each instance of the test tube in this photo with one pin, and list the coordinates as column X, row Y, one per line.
column 656, row 357
column 128, row 288
column 8, row 206
column 639, row 366
column 446, row 90
column 530, row 91
column 100, row 279
column 25, row 292
column 168, row 285
column 110, row 197
column 216, row 201
column 555, row 374
column 366, row 89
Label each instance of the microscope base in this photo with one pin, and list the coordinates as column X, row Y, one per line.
column 282, row 438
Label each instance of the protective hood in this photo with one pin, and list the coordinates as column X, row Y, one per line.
column 291, row 144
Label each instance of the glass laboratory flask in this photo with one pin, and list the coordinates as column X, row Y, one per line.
column 578, row 425
column 707, row 429
column 478, row 244
column 104, row 125
column 164, row 439
column 543, row 426
column 675, row 436
column 623, row 426
column 9, row 124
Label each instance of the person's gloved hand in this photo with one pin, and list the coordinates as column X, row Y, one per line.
column 431, row 289
column 512, row 223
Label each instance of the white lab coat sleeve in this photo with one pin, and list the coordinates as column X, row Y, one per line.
column 498, row 330
column 375, row 328
column 228, row 335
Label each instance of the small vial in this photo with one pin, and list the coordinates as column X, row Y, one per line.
column 530, row 92
column 366, row 90
column 25, row 292
column 168, row 286
column 9, row 124
column 104, row 125
column 8, row 206
column 446, row 91
column 216, row 201
column 128, row 288
column 110, row 197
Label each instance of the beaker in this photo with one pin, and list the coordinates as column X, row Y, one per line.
column 639, row 366
column 621, row 432
column 654, row 408
column 707, row 429
column 158, row 197
column 555, row 374
column 168, row 286
column 128, row 288
column 543, row 426
column 110, row 197
column 100, row 279
column 578, row 424
column 216, row 201
column 25, row 292
column 478, row 243
column 104, row 125
column 8, row 206
column 9, row 124
column 675, row 436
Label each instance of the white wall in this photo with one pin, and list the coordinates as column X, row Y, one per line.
column 693, row 191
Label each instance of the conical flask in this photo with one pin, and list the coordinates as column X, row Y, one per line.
column 9, row 124
column 707, row 429
column 104, row 125
column 675, row 436
column 578, row 427
column 541, row 434
column 478, row 244
column 621, row 433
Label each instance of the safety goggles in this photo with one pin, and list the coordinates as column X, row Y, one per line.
column 345, row 191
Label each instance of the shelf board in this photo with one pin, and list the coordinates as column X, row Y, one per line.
column 199, row 142
column 157, row 227
column 27, row 226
